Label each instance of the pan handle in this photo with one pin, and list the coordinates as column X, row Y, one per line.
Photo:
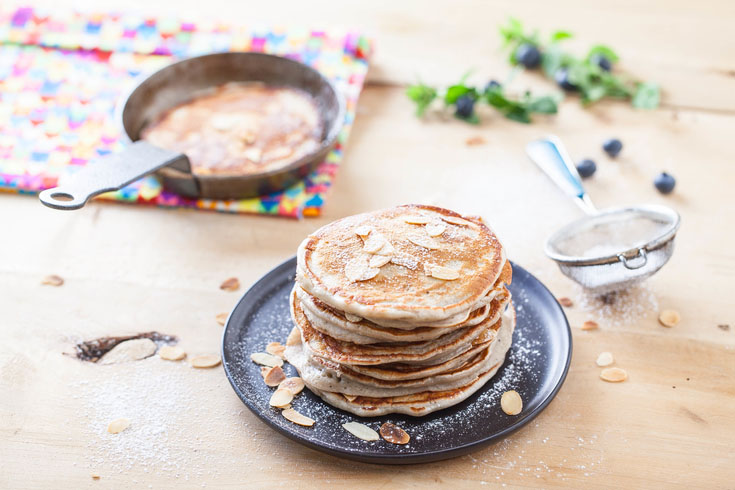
column 110, row 173
column 551, row 156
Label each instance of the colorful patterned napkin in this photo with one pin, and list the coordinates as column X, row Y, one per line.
column 61, row 74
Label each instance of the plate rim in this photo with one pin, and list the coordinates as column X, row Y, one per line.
column 403, row 458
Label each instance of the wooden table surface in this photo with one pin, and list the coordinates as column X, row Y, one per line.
column 130, row 269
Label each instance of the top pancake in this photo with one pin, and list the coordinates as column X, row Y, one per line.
column 334, row 264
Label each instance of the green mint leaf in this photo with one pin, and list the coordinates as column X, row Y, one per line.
column 518, row 114
column 552, row 59
column 456, row 91
column 647, row 96
column 557, row 36
column 473, row 119
column 603, row 50
column 422, row 95
column 543, row 105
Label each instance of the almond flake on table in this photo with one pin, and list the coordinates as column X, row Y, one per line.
column 52, row 280
column 613, row 375
column 231, row 284
column 281, row 397
column 118, row 425
column 222, row 318
column 276, row 349
column 205, row 361
column 297, row 418
column 394, row 434
column 274, row 376
column 669, row 318
column 475, row 141
column 294, row 384
column 265, row 359
column 511, row 402
column 564, row 301
column 590, row 325
column 361, row 431
column 128, row 351
column 171, row 353
column 605, row 359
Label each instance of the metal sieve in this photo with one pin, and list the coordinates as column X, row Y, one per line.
column 610, row 249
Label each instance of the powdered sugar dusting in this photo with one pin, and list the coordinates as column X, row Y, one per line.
column 625, row 307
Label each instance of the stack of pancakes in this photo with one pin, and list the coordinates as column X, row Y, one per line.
column 402, row 310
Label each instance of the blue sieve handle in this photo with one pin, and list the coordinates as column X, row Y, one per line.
column 549, row 154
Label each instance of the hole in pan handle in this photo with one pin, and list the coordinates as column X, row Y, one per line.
column 110, row 173
column 633, row 263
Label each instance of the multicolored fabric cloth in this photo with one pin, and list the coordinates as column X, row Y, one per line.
column 61, row 74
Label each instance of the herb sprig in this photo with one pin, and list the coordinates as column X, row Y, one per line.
column 463, row 97
column 591, row 76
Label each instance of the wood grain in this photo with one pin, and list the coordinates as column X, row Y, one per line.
column 129, row 269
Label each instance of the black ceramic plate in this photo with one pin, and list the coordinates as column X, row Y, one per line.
column 535, row 367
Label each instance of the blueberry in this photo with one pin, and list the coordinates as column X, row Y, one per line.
column 586, row 168
column 464, row 106
column 528, row 55
column 612, row 147
column 601, row 61
column 562, row 79
column 492, row 85
column 664, row 182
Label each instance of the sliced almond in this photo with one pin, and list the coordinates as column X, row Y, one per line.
column 363, row 230
column 130, row 350
column 52, row 280
column 566, row 302
column 393, row 433
column 440, row 272
column 294, row 337
column 222, row 318
column 274, row 376
column 358, row 269
column 361, row 431
column 295, row 385
column 266, row 359
column 435, row 229
column 590, row 325
column 475, row 141
column 386, row 249
column 297, row 418
column 118, row 425
column 455, row 220
column 373, row 243
column 205, row 361
column 349, row 398
column 353, row 318
column 379, row 260
column 280, row 398
column 613, row 375
column 276, row 349
column 405, row 260
column 669, row 318
column 253, row 154
column 511, row 402
column 604, row 359
column 171, row 353
column 424, row 241
column 417, row 220
column 231, row 284
column 95, row 477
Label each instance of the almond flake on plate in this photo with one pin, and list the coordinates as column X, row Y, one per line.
column 363, row 230
column 386, row 249
column 441, row 272
column 349, row 398
column 52, row 280
column 358, row 269
column 424, row 242
column 130, row 350
column 294, row 385
column 669, row 318
column 171, row 353
column 266, row 359
column 605, row 359
column 455, row 221
column 379, row 260
column 118, row 425
column 297, row 418
column 393, row 433
column 280, row 398
column 405, row 260
column 361, row 431
column 353, row 318
column 511, row 402
column 613, row 375
column 275, row 349
column 435, row 229
column 374, row 242
column 416, row 220
column 590, row 325
column 205, row 361
column 273, row 376
column 294, row 337
column 231, row 284
column 222, row 318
